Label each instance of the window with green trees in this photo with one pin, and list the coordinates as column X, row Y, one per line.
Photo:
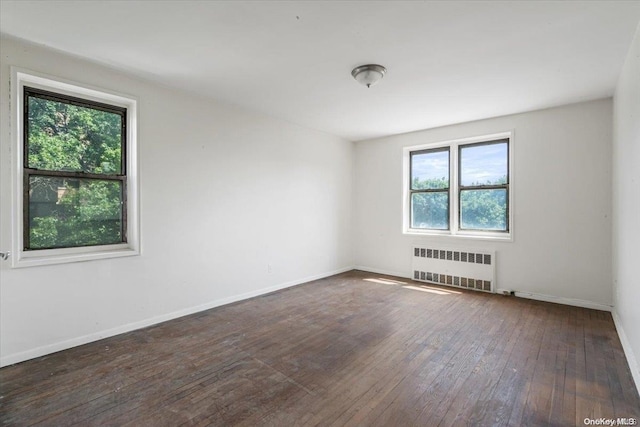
column 459, row 187
column 484, row 186
column 74, row 171
column 430, row 189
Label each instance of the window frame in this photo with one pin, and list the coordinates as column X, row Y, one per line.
column 462, row 187
column 23, row 81
column 456, row 189
column 447, row 190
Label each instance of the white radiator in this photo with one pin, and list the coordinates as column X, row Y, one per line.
column 471, row 269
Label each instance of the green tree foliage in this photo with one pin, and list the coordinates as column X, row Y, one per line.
column 429, row 184
column 66, row 212
column 44, row 232
column 481, row 209
column 430, row 210
column 484, row 209
column 65, row 137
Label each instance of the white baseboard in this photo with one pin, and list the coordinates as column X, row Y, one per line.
column 628, row 351
column 540, row 297
column 379, row 271
column 74, row 342
column 562, row 300
column 85, row 339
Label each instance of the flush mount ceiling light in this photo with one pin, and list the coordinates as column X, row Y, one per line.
column 369, row 74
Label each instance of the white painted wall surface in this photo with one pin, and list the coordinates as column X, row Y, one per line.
column 626, row 207
column 562, row 203
column 224, row 192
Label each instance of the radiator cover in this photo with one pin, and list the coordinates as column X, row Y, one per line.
column 470, row 269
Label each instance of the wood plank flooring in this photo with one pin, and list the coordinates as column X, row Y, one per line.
column 356, row 349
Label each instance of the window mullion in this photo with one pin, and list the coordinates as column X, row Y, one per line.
column 484, row 187
column 74, row 174
column 454, row 196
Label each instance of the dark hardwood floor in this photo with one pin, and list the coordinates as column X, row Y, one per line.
column 357, row 349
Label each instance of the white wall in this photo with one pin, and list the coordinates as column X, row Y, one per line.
column 224, row 192
column 562, row 184
column 626, row 207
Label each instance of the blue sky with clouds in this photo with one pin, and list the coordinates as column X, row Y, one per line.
column 434, row 165
column 480, row 163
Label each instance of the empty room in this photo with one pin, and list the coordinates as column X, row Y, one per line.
column 335, row 213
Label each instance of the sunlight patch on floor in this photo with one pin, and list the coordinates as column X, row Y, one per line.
column 429, row 289
column 385, row 281
column 405, row 285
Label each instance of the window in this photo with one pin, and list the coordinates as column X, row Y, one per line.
column 459, row 188
column 484, row 186
column 74, row 172
column 430, row 189
column 76, row 192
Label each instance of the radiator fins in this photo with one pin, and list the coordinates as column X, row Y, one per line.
column 460, row 282
column 477, row 258
column 461, row 269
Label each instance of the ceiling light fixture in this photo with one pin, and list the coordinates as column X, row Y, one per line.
column 369, row 74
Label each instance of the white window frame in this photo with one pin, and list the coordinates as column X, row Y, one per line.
column 21, row 258
column 454, row 188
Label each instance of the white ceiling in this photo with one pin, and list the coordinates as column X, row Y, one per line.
column 448, row 62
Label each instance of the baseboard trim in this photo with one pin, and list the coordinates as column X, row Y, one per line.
column 85, row 339
column 566, row 301
column 634, row 367
column 74, row 342
column 540, row 297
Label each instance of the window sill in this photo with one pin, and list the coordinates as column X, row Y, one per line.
column 68, row 255
column 494, row 237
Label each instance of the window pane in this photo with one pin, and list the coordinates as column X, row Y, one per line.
column 483, row 209
column 430, row 170
column 67, row 212
column 65, row 137
column 484, row 164
column 430, row 210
